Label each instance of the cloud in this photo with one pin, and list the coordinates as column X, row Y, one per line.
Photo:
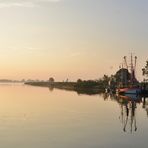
column 75, row 54
column 16, row 4
column 21, row 3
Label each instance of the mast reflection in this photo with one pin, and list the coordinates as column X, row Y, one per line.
column 128, row 106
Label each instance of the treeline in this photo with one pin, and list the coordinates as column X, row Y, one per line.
column 80, row 84
column 100, row 83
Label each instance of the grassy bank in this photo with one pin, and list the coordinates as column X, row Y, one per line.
column 80, row 88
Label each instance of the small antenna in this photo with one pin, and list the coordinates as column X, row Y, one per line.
column 125, row 61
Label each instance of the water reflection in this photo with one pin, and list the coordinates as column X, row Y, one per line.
column 51, row 88
column 128, row 113
column 89, row 92
column 128, row 107
column 35, row 117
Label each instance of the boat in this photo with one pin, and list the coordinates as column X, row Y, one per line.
column 128, row 83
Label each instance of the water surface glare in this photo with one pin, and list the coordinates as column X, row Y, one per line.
column 36, row 117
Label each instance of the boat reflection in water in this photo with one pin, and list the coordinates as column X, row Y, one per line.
column 128, row 104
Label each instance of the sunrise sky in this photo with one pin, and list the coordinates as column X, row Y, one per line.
column 70, row 38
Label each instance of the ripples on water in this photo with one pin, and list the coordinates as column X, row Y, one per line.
column 35, row 117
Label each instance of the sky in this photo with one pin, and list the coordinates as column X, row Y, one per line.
column 70, row 38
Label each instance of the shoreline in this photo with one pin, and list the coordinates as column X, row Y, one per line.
column 70, row 86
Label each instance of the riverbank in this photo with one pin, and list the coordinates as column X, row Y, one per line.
column 80, row 88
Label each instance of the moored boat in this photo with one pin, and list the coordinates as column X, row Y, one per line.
column 128, row 83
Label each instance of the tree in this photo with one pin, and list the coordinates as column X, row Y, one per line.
column 51, row 80
column 79, row 81
column 145, row 73
column 106, row 79
column 145, row 70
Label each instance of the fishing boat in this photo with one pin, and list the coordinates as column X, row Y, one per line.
column 128, row 83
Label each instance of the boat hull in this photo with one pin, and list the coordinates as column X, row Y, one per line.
column 129, row 91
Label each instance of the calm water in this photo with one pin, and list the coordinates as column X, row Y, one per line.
column 35, row 117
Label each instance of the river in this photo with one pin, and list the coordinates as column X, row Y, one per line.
column 37, row 117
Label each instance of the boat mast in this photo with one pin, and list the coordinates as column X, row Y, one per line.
column 133, row 68
column 135, row 63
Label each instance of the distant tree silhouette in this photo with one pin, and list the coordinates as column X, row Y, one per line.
column 105, row 80
column 79, row 81
column 145, row 70
column 51, row 80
